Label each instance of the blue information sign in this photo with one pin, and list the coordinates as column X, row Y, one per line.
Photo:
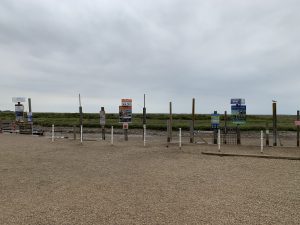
column 238, row 114
column 215, row 120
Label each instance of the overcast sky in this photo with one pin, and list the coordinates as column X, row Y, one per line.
column 171, row 50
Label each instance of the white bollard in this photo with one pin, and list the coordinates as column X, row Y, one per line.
column 52, row 132
column 144, row 126
column 81, row 134
column 261, row 142
column 219, row 140
column 112, row 135
column 179, row 138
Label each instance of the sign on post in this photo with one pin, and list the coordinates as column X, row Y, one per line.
column 102, row 117
column 238, row 113
column 297, row 122
column 238, row 110
column 215, row 120
column 125, row 111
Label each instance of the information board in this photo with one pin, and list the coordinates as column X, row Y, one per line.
column 215, row 120
column 238, row 114
column 102, row 118
column 125, row 111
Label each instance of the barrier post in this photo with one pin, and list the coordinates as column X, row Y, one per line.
column 112, row 136
column 179, row 138
column 219, row 140
column 81, row 134
column 261, row 141
column 144, row 126
column 52, row 132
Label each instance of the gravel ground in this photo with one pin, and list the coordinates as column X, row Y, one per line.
column 95, row 183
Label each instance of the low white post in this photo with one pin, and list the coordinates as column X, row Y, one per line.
column 219, row 140
column 112, row 135
column 261, row 142
column 144, row 126
column 52, row 132
column 81, row 134
column 179, row 138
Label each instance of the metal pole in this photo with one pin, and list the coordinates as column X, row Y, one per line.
column 298, row 129
column 52, row 132
column 144, row 126
column 179, row 138
column 261, row 141
column 274, row 124
column 112, row 135
column 219, row 140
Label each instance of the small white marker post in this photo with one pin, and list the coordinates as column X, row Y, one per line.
column 179, row 138
column 112, row 136
column 81, row 136
column 144, row 126
column 219, row 140
column 52, row 132
column 261, row 142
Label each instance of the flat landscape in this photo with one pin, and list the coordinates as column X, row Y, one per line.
column 66, row 182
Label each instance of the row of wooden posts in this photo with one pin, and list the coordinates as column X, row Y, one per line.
column 192, row 127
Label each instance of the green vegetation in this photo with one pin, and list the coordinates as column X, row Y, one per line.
column 154, row 121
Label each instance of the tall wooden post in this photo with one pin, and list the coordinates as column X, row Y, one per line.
column 102, row 122
column 144, row 115
column 298, row 129
column 80, row 112
column 238, row 135
column 274, row 123
column 74, row 132
column 193, row 121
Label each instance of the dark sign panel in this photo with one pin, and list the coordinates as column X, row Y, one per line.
column 238, row 114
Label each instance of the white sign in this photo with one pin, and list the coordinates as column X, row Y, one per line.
column 102, row 118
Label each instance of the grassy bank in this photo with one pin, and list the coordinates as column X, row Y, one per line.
column 154, row 121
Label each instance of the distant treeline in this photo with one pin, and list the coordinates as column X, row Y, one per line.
column 156, row 121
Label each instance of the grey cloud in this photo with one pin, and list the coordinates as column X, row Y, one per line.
column 211, row 50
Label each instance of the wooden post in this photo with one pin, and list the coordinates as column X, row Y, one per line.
column 219, row 140
column 179, row 138
column 261, row 141
column 144, row 134
column 193, row 121
column 125, row 130
column 171, row 121
column 274, row 123
column 144, row 114
column 267, row 134
column 103, row 132
column 74, row 132
column 168, row 131
column 238, row 135
column 298, row 129
column 81, row 134
column 80, row 119
column 192, row 135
